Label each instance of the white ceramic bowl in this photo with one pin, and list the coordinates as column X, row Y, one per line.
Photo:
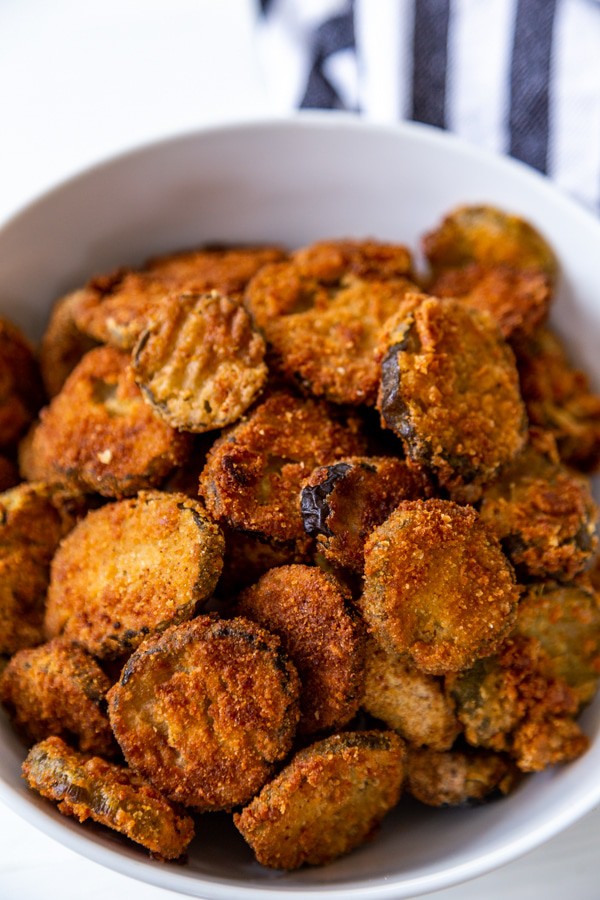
column 293, row 182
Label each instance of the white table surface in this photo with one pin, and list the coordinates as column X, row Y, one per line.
column 80, row 80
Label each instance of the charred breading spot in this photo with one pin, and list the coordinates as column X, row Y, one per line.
column 565, row 619
column 327, row 801
column 205, row 711
column 458, row 778
column 131, row 568
column 491, row 237
column 254, row 472
column 21, row 393
column 343, row 502
column 117, row 307
column 543, row 513
column 200, row 364
column 62, row 344
column 322, row 311
column 321, row 634
column 437, row 586
column 247, row 558
column 517, row 299
column 88, row 787
column 559, row 398
column 99, row 435
column 409, row 701
column 450, row 391
column 58, row 689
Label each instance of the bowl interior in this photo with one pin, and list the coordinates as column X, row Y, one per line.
column 294, row 182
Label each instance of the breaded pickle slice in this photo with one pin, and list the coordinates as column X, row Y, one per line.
column 205, row 710
column 321, row 313
column 543, row 513
column 99, row 435
column 409, row 701
column 88, row 787
column 62, row 345
column 321, row 634
column 254, row 472
column 559, row 398
column 200, row 363
column 327, row 801
column 437, row 586
column 21, row 393
column 343, row 502
column 450, row 391
column 458, row 777
column 131, row 568
column 489, row 236
column 58, row 689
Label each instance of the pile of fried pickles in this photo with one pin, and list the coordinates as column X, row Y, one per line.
column 296, row 534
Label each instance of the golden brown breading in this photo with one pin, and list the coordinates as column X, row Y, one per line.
column 409, row 701
column 200, row 363
column 254, row 472
column 98, row 434
column 450, row 391
column 132, row 568
column 321, row 634
column 558, row 398
column 88, row 787
column 543, row 513
column 205, row 710
column 62, row 344
column 58, row 689
column 328, row 800
column 437, row 586
column 321, row 313
column 458, row 778
column 343, row 502
column 21, row 393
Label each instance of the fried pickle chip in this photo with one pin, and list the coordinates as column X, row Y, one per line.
column 21, row 392
column 327, row 801
column 559, row 398
column 88, row 787
column 321, row 634
column 200, row 363
column 437, row 586
column 205, row 710
column 491, row 237
column 543, row 513
column 58, row 689
column 254, row 472
column 450, row 391
column 409, row 701
column 98, row 434
column 62, row 345
column 343, row 502
column 131, row 568
column 457, row 777
column 321, row 312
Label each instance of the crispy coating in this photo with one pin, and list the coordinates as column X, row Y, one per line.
column 543, row 513
column 458, row 778
column 409, row 701
column 131, row 568
column 58, row 689
column 200, row 363
column 343, row 502
column 21, row 392
column 321, row 313
column 558, row 398
column 450, row 391
column 517, row 299
column 491, row 237
column 88, row 787
column 321, row 634
column 98, row 434
column 327, row 801
column 117, row 307
column 254, row 472
column 205, row 710
column 62, row 344
column 437, row 586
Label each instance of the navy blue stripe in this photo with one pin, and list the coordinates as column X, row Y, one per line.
column 330, row 37
column 430, row 61
column 531, row 66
